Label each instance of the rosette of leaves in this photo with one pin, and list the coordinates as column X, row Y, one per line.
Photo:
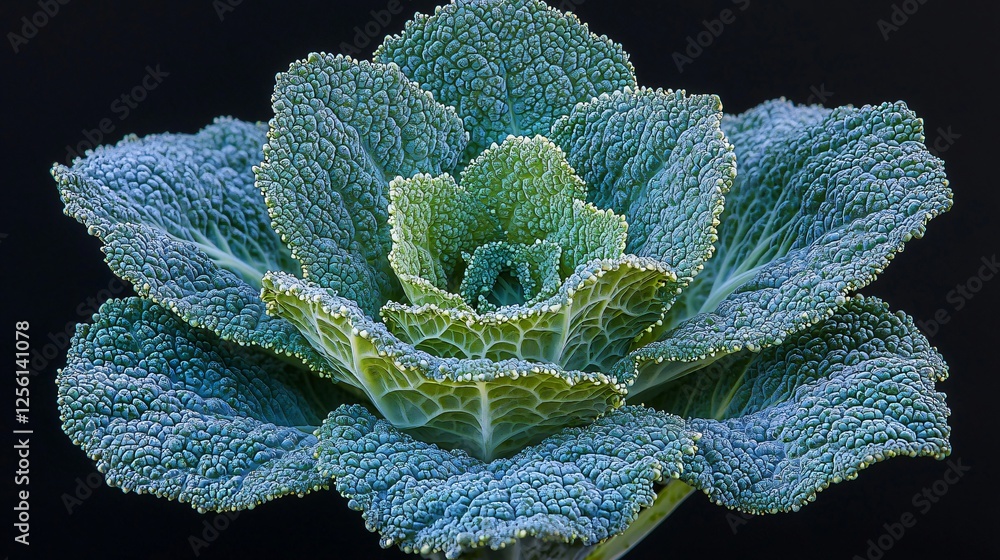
column 503, row 298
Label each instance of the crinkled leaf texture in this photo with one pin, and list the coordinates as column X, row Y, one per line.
column 542, row 238
column 823, row 201
column 168, row 409
column 507, row 67
column 488, row 381
column 488, row 408
column 829, row 401
column 518, row 196
column 660, row 159
column 342, row 131
column 837, row 397
column 581, row 484
column 181, row 220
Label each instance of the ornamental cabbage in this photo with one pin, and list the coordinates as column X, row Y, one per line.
column 502, row 297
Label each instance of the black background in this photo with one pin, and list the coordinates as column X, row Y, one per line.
column 65, row 79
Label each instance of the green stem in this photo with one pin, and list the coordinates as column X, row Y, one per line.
column 666, row 502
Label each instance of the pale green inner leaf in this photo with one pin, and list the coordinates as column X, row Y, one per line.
column 488, row 408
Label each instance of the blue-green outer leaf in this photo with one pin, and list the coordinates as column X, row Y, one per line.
column 580, row 485
column 825, row 199
column 660, row 159
column 342, row 131
column 830, row 401
column 182, row 221
column 167, row 409
column 507, row 66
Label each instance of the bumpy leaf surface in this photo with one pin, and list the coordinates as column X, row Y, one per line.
column 580, row 485
column 507, row 67
column 533, row 274
column 831, row 400
column 167, row 409
column 588, row 324
column 521, row 193
column 489, row 408
column 434, row 221
column 824, row 199
column 529, row 186
column 181, row 221
column 553, row 228
column 342, row 131
column 659, row 158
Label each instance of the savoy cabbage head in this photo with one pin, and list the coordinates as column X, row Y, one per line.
column 500, row 296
